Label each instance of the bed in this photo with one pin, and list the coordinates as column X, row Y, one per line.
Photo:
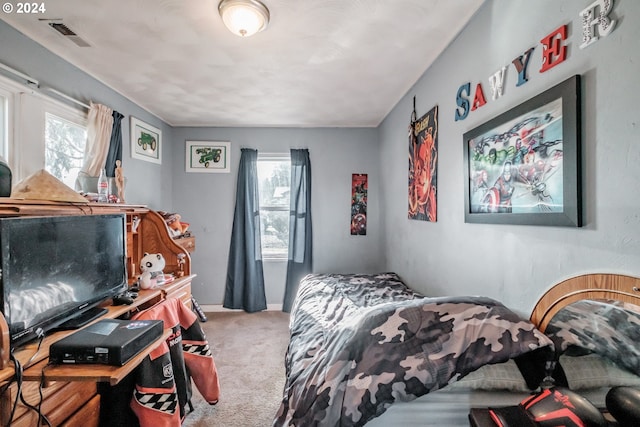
column 366, row 349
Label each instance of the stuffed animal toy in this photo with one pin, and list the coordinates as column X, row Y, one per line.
column 175, row 224
column 151, row 266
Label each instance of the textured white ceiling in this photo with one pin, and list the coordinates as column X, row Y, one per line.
column 319, row 63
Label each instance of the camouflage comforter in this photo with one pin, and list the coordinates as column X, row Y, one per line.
column 359, row 343
column 608, row 328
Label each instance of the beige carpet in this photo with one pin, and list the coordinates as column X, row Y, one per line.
column 249, row 350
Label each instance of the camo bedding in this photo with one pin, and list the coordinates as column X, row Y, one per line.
column 361, row 342
column 605, row 327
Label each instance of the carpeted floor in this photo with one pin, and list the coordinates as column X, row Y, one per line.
column 249, row 350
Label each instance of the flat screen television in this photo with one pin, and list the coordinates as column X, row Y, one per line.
column 54, row 268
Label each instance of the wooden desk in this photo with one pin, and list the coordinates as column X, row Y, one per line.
column 70, row 393
column 71, row 399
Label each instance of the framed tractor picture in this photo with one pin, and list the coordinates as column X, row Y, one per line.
column 146, row 141
column 207, row 156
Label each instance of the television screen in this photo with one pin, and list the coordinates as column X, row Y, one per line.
column 53, row 268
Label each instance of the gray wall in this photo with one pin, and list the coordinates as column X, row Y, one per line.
column 147, row 183
column 516, row 264
column 206, row 201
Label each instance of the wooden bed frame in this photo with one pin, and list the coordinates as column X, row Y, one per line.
column 588, row 286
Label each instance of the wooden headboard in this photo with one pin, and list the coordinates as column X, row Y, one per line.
column 588, row 286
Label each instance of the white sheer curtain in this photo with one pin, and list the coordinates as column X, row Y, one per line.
column 99, row 127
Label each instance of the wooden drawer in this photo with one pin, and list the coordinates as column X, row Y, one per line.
column 87, row 416
column 61, row 401
column 182, row 293
column 188, row 243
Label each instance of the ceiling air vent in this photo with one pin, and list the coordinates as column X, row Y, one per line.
column 68, row 33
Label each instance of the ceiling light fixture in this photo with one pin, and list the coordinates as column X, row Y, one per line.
column 244, row 18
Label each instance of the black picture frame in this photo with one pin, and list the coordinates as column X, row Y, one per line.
column 523, row 166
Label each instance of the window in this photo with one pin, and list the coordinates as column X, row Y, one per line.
column 64, row 151
column 274, row 176
column 8, row 89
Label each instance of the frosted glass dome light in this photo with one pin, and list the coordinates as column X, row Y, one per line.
column 244, row 18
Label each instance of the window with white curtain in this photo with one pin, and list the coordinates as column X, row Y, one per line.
column 274, row 176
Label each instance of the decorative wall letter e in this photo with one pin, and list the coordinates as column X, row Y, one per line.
column 553, row 51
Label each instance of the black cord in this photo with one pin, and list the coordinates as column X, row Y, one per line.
column 18, row 380
column 40, row 414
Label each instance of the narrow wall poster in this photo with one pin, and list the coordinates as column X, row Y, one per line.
column 423, row 161
column 359, row 204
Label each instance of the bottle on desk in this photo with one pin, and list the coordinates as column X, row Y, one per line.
column 103, row 187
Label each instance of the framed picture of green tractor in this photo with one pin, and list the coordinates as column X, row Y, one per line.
column 207, row 156
column 146, row 141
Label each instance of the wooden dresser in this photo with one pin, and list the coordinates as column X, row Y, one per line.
column 70, row 396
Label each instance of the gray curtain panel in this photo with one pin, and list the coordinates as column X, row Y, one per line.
column 115, row 144
column 300, row 259
column 245, row 279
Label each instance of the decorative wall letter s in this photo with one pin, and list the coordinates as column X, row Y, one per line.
column 605, row 25
column 553, row 51
column 463, row 102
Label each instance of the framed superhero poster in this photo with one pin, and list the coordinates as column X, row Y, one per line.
column 423, row 162
column 359, row 204
column 523, row 167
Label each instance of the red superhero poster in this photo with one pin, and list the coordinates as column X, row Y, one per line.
column 359, row 204
column 423, row 162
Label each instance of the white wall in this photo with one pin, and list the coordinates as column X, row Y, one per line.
column 516, row 264
column 206, row 201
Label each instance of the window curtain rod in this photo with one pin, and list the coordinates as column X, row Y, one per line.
column 30, row 80
column 67, row 97
column 35, row 84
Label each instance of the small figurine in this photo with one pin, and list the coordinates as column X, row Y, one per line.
column 120, row 181
column 181, row 265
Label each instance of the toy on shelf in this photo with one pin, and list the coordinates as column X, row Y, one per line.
column 151, row 266
column 175, row 223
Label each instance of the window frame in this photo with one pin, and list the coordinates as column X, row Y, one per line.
column 277, row 157
column 31, row 115
column 10, row 91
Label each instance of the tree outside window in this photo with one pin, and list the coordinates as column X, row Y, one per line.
column 64, row 148
column 274, row 175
